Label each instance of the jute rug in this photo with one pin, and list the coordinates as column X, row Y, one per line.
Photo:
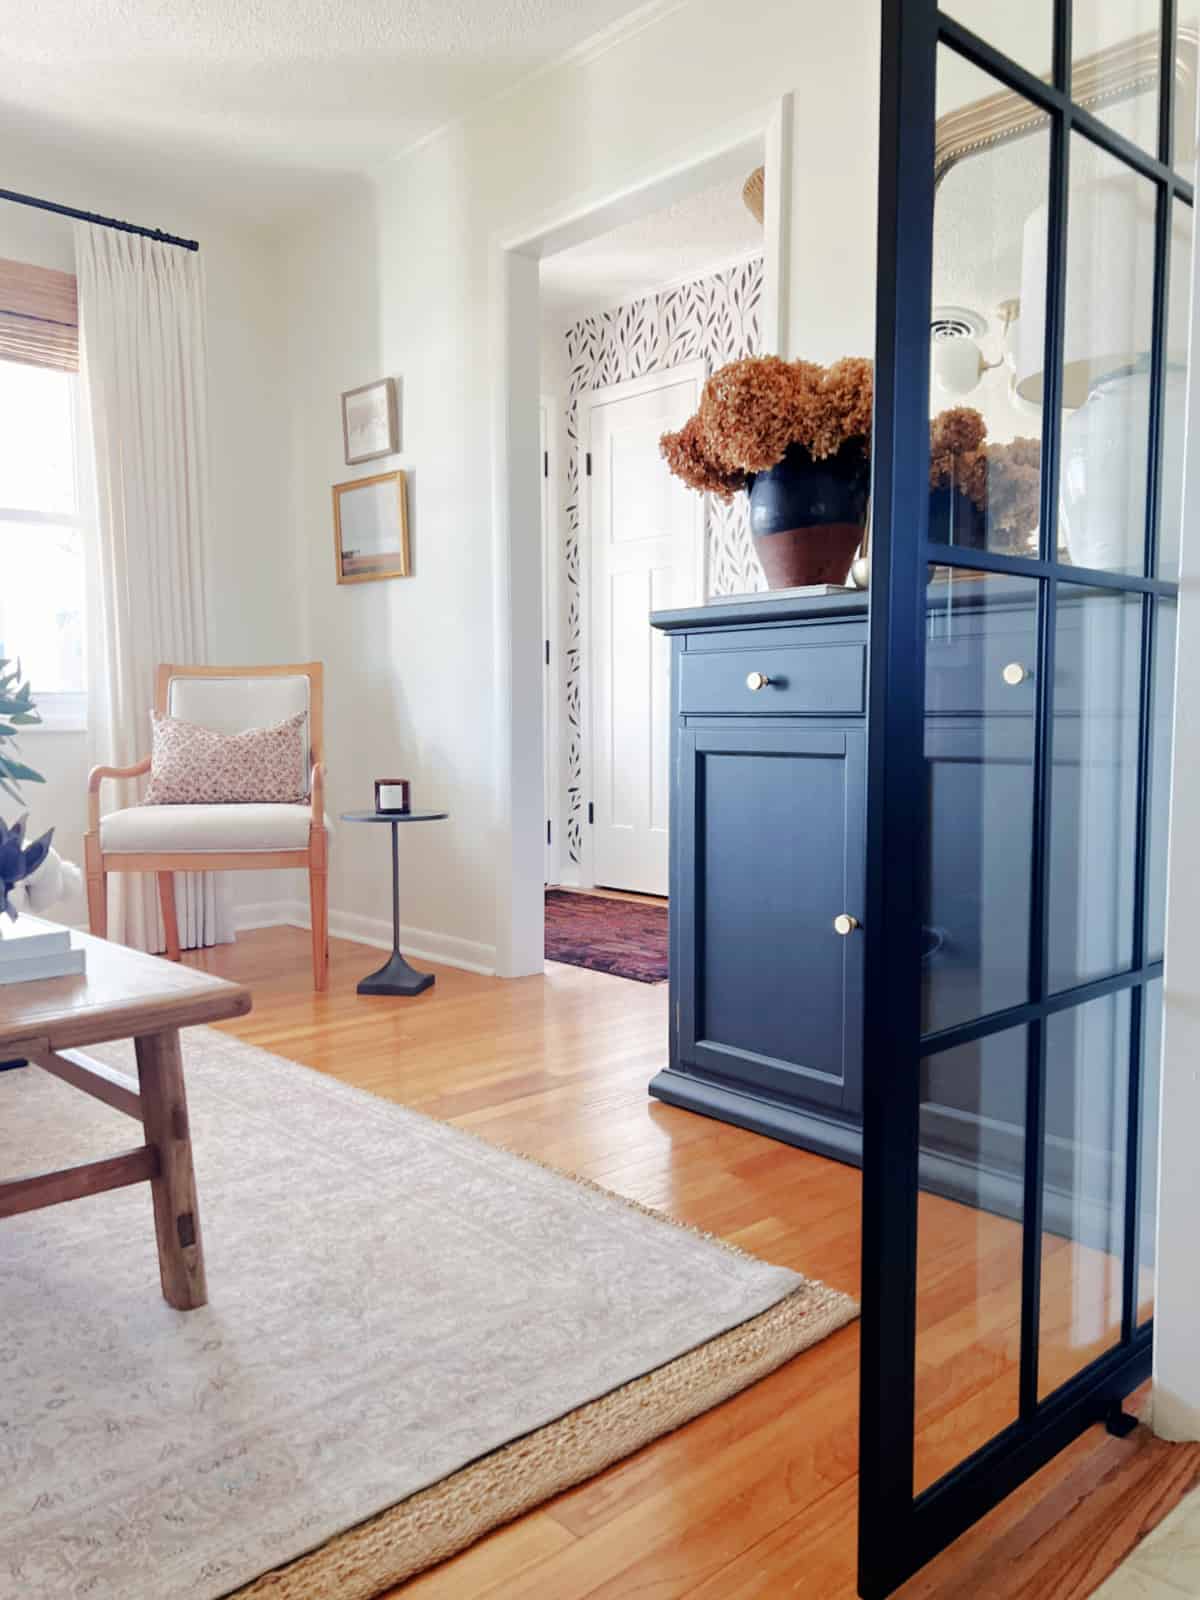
column 412, row 1336
column 625, row 938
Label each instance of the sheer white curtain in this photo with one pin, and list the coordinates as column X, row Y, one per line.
column 142, row 361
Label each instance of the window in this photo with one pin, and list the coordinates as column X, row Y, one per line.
column 41, row 538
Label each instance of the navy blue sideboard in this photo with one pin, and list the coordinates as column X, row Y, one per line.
column 768, row 819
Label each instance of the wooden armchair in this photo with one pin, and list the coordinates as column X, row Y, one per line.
column 219, row 838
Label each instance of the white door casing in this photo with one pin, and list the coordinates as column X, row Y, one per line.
column 642, row 535
column 550, row 709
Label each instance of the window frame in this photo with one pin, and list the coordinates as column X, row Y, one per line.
column 61, row 710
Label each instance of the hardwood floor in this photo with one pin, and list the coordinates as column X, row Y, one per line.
column 756, row 1498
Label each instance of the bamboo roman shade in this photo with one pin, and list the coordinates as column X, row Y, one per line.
column 39, row 317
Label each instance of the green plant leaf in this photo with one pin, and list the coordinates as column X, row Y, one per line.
column 19, row 772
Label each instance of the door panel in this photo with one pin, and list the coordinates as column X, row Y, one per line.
column 645, row 532
column 774, row 825
column 1015, row 859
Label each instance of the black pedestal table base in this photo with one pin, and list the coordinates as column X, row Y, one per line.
column 395, row 976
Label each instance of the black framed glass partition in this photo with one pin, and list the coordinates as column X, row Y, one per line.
column 1032, row 337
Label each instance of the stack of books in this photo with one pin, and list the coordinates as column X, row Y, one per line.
column 30, row 950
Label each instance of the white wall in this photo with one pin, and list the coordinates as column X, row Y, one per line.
column 1176, row 1406
column 255, row 613
column 399, row 282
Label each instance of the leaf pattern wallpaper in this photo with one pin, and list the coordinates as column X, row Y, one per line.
column 715, row 318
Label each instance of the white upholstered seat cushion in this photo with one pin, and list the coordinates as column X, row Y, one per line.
column 197, row 829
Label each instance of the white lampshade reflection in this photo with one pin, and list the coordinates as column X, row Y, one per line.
column 1110, row 298
column 1109, row 292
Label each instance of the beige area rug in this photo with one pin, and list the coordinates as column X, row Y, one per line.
column 412, row 1336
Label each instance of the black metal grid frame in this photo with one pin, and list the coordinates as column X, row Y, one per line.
column 898, row 1530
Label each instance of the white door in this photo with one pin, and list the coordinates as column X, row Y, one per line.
column 646, row 537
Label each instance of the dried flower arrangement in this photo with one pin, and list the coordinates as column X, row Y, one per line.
column 752, row 410
column 1001, row 480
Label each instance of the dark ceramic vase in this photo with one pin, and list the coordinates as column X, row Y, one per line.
column 954, row 518
column 807, row 517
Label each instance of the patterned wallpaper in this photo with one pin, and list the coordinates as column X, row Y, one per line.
column 715, row 318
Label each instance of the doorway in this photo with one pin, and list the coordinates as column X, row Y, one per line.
column 642, row 534
column 627, row 347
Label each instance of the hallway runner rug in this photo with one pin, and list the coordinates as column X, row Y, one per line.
column 625, row 938
column 411, row 1337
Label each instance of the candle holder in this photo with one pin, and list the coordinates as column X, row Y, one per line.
column 392, row 797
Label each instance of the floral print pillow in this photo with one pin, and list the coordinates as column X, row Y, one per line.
column 191, row 765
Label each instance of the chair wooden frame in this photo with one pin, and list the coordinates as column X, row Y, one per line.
column 314, row 859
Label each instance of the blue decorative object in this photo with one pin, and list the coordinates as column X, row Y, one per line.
column 19, row 860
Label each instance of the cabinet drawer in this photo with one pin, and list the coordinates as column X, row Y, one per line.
column 813, row 680
column 970, row 672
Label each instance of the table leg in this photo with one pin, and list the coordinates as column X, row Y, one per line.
column 396, row 976
column 176, row 1215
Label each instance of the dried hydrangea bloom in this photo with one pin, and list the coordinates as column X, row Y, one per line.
column 752, row 410
column 748, row 412
column 1014, row 490
column 688, row 458
column 955, row 435
column 845, row 403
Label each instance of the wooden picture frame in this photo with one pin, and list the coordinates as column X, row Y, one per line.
column 370, row 422
column 370, row 528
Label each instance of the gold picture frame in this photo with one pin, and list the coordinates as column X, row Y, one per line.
column 370, row 528
column 1109, row 76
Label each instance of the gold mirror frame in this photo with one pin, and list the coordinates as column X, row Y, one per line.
column 1111, row 75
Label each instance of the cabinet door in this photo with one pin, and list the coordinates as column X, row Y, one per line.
column 770, row 848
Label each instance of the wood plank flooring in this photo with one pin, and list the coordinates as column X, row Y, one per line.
column 756, row 1498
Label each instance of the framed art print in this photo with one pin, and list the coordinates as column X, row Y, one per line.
column 370, row 528
column 369, row 422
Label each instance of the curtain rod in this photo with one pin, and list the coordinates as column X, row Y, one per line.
column 101, row 222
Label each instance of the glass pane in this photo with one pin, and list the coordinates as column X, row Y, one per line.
column 1116, row 59
column 1022, row 32
column 985, row 476
column 37, row 439
column 980, row 698
column 1187, row 35
column 1083, row 1191
column 1152, row 1019
column 969, row 1249
column 1093, row 804
column 1109, row 304
column 41, row 604
column 1170, row 524
column 1162, row 707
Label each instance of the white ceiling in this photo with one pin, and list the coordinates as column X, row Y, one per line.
column 263, row 95
column 707, row 229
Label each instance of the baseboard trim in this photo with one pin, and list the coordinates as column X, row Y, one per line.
column 422, row 943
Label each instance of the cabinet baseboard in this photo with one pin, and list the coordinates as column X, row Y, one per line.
column 826, row 1136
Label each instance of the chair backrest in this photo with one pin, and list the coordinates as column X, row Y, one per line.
column 233, row 699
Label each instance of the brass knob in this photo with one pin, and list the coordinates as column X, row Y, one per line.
column 757, row 680
column 845, row 924
column 1014, row 673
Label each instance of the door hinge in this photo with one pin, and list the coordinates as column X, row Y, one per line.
column 591, row 812
column 545, row 463
column 588, row 463
column 547, row 830
column 547, row 652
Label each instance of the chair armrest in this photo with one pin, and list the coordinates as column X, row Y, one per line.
column 316, row 788
column 96, row 777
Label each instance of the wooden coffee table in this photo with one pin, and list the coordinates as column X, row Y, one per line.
column 124, row 994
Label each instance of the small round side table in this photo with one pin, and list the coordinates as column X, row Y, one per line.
column 395, row 976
